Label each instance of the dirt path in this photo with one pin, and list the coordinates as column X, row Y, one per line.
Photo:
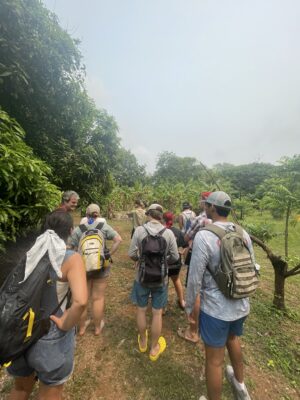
column 110, row 367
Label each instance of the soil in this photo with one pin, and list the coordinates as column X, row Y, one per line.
column 110, row 367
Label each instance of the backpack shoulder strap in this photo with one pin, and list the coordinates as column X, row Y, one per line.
column 99, row 226
column 83, row 228
column 161, row 232
column 239, row 230
column 218, row 231
column 144, row 226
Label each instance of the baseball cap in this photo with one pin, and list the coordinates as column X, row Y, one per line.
column 156, row 207
column 219, row 199
column 93, row 208
column 186, row 205
column 204, row 195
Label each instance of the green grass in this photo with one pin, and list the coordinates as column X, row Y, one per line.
column 112, row 367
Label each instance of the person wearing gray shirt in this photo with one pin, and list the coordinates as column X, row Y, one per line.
column 159, row 294
column 221, row 319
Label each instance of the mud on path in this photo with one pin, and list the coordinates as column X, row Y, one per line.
column 110, row 367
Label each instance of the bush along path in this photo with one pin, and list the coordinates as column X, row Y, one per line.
column 110, row 366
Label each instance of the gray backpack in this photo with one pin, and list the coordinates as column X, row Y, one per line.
column 236, row 276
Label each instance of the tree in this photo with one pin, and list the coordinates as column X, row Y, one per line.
column 174, row 169
column 127, row 171
column 245, row 178
column 26, row 193
column 282, row 193
column 42, row 86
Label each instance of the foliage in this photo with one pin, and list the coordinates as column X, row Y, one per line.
column 243, row 206
column 282, row 192
column 174, row 169
column 26, row 191
column 263, row 231
column 42, row 86
column 245, row 178
column 126, row 170
column 169, row 195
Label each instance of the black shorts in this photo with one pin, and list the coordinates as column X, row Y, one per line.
column 174, row 270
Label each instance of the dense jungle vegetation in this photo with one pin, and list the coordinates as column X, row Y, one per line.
column 54, row 138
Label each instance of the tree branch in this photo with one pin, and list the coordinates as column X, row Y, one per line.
column 294, row 271
column 262, row 245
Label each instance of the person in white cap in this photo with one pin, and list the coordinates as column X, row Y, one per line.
column 92, row 215
column 97, row 280
column 142, row 291
column 221, row 319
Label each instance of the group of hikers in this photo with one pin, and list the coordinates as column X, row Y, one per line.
column 216, row 310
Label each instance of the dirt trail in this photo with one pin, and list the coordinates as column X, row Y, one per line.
column 109, row 367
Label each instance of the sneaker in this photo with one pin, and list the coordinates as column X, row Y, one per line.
column 239, row 394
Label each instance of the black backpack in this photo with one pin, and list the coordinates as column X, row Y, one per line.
column 22, row 320
column 153, row 266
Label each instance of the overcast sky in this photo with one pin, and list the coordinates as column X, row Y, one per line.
column 218, row 80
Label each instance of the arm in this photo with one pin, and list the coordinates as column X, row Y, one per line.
column 74, row 273
column 180, row 222
column 199, row 261
column 133, row 251
column 73, row 241
column 116, row 243
column 172, row 254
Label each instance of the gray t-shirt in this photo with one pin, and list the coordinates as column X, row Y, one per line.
column 206, row 251
column 108, row 232
column 154, row 228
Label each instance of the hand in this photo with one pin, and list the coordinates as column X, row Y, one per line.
column 59, row 321
column 191, row 318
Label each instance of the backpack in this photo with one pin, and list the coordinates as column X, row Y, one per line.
column 92, row 247
column 236, row 276
column 22, row 320
column 153, row 266
column 187, row 220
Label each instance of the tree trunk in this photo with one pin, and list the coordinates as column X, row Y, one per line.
column 278, row 299
column 280, row 270
column 286, row 231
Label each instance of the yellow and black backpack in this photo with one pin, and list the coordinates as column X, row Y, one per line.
column 22, row 318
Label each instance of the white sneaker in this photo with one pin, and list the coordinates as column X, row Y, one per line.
column 239, row 394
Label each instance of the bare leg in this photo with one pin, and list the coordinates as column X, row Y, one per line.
column 22, row 388
column 214, row 359
column 142, row 324
column 235, row 354
column 179, row 289
column 196, row 310
column 98, row 292
column 50, row 392
column 156, row 328
column 83, row 318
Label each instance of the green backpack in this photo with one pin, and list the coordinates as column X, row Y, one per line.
column 236, row 276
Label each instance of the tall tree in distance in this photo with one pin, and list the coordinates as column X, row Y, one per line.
column 174, row 169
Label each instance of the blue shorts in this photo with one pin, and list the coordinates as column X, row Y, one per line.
column 215, row 332
column 140, row 295
column 50, row 358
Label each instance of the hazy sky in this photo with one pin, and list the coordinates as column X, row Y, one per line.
column 214, row 80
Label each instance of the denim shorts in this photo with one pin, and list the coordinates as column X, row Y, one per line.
column 215, row 332
column 140, row 295
column 51, row 358
column 100, row 274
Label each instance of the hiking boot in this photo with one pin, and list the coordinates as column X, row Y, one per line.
column 239, row 394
